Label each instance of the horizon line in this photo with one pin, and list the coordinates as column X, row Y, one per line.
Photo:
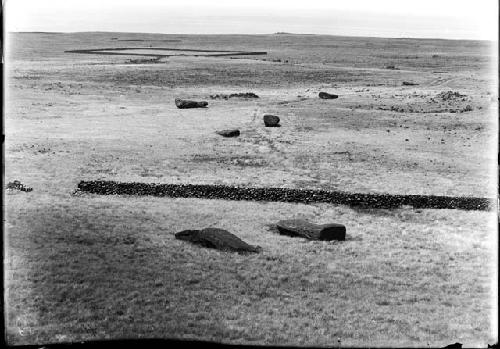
column 250, row 34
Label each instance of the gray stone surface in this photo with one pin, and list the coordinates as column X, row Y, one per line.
column 219, row 239
column 305, row 229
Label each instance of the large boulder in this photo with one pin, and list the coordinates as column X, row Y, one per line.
column 324, row 95
column 271, row 120
column 185, row 104
column 229, row 133
column 219, row 239
column 305, row 229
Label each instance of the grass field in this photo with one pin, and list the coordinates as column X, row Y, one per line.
column 82, row 267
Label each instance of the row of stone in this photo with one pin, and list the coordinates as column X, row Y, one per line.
column 362, row 200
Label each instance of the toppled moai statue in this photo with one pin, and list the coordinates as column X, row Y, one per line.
column 219, row 239
column 305, row 229
column 229, row 133
column 324, row 95
column 186, row 104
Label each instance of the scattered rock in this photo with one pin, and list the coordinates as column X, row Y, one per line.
column 229, row 133
column 185, row 104
column 145, row 60
column 17, row 185
column 234, row 95
column 271, row 120
column 409, row 83
column 302, row 228
column 449, row 95
column 324, row 95
column 219, row 239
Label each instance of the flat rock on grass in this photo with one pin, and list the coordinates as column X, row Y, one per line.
column 305, row 229
column 186, row 104
column 219, row 239
column 271, row 120
column 324, row 95
column 229, row 133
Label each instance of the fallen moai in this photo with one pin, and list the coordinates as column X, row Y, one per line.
column 219, row 239
column 324, row 95
column 229, row 133
column 305, row 229
column 186, row 104
column 271, row 120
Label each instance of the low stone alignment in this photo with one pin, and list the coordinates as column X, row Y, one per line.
column 194, row 52
column 285, row 195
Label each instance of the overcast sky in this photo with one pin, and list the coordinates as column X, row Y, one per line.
column 450, row 19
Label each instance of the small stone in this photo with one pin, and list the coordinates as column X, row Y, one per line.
column 229, row 133
column 271, row 120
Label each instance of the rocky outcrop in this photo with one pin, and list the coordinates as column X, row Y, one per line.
column 17, row 185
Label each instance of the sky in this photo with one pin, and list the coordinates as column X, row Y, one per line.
column 447, row 19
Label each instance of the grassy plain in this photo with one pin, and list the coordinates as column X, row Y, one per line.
column 89, row 267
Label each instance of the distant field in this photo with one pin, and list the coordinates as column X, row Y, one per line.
column 82, row 266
